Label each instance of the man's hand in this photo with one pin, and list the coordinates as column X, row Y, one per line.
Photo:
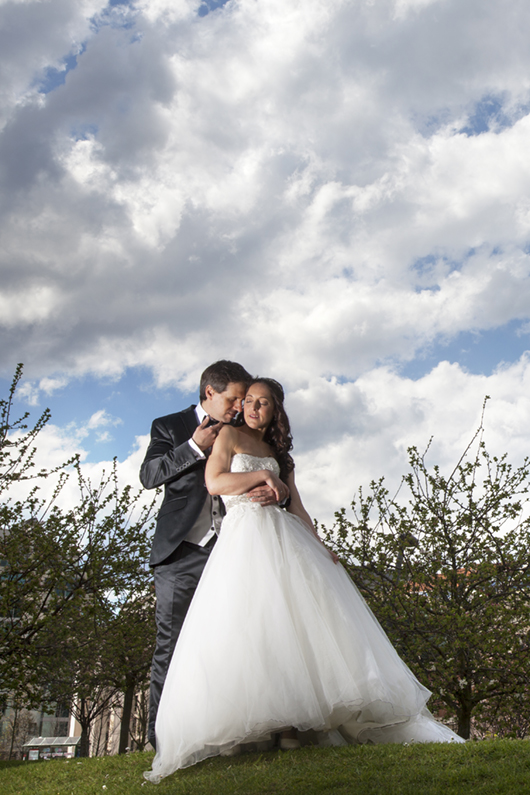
column 264, row 495
column 205, row 436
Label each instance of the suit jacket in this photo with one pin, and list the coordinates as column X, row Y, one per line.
column 170, row 462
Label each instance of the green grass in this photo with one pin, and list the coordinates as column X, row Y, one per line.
column 492, row 767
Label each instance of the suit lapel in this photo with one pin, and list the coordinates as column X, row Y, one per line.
column 190, row 420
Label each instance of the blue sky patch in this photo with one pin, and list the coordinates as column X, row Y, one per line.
column 480, row 352
column 488, row 113
column 210, row 5
column 132, row 403
column 53, row 77
column 429, row 277
column 84, row 131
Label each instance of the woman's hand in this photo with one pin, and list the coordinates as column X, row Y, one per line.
column 334, row 557
column 280, row 488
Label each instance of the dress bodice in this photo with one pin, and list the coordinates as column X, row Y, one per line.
column 244, row 462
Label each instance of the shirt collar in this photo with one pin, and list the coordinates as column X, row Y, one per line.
column 200, row 412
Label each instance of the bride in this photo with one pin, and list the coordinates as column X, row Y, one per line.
column 278, row 637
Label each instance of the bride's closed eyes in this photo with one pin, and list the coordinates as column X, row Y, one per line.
column 258, row 406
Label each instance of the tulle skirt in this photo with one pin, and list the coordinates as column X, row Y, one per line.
column 278, row 635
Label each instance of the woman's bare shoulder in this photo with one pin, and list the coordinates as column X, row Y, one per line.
column 227, row 435
column 237, row 438
column 232, row 437
column 228, row 431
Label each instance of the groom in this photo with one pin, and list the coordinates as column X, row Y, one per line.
column 189, row 518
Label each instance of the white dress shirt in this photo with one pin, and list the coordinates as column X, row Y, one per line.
column 197, row 534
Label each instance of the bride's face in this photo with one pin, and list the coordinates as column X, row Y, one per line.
column 258, row 407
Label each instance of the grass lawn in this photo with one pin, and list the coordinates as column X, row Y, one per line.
column 491, row 767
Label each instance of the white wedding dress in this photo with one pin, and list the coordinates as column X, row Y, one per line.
column 278, row 635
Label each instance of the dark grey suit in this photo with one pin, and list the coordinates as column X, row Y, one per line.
column 177, row 564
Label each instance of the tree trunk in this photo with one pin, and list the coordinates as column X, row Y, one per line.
column 84, row 744
column 13, row 734
column 97, row 745
column 126, row 718
column 143, row 720
column 138, row 727
column 464, row 719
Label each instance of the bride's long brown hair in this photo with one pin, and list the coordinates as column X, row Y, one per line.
column 278, row 434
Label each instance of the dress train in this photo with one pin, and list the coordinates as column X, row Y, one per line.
column 278, row 635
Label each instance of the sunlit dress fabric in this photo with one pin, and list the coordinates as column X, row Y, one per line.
column 278, row 635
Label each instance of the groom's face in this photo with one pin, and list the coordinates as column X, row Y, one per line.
column 223, row 406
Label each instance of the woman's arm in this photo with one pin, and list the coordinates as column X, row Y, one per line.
column 296, row 507
column 219, row 479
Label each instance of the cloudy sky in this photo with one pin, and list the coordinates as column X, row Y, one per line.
column 332, row 192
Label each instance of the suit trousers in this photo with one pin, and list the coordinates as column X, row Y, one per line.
column 176, row 579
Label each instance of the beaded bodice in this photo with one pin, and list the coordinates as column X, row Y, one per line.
column 244, row 462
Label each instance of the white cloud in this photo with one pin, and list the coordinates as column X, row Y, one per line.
column 36, row 36
column 28, row 392
column 402, row 8
column 298, row 185
column 51, row 385
column 166, row 12
column 350, row 434
column 37, row 304
column 102, row 418
column 32, row 392
column 56, row 446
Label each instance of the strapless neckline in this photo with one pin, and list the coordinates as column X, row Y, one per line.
column 251, row 455
column 248, row 462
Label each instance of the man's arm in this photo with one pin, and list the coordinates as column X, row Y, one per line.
column 164, row 461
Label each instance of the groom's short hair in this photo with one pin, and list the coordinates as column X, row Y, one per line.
column 222, row 373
